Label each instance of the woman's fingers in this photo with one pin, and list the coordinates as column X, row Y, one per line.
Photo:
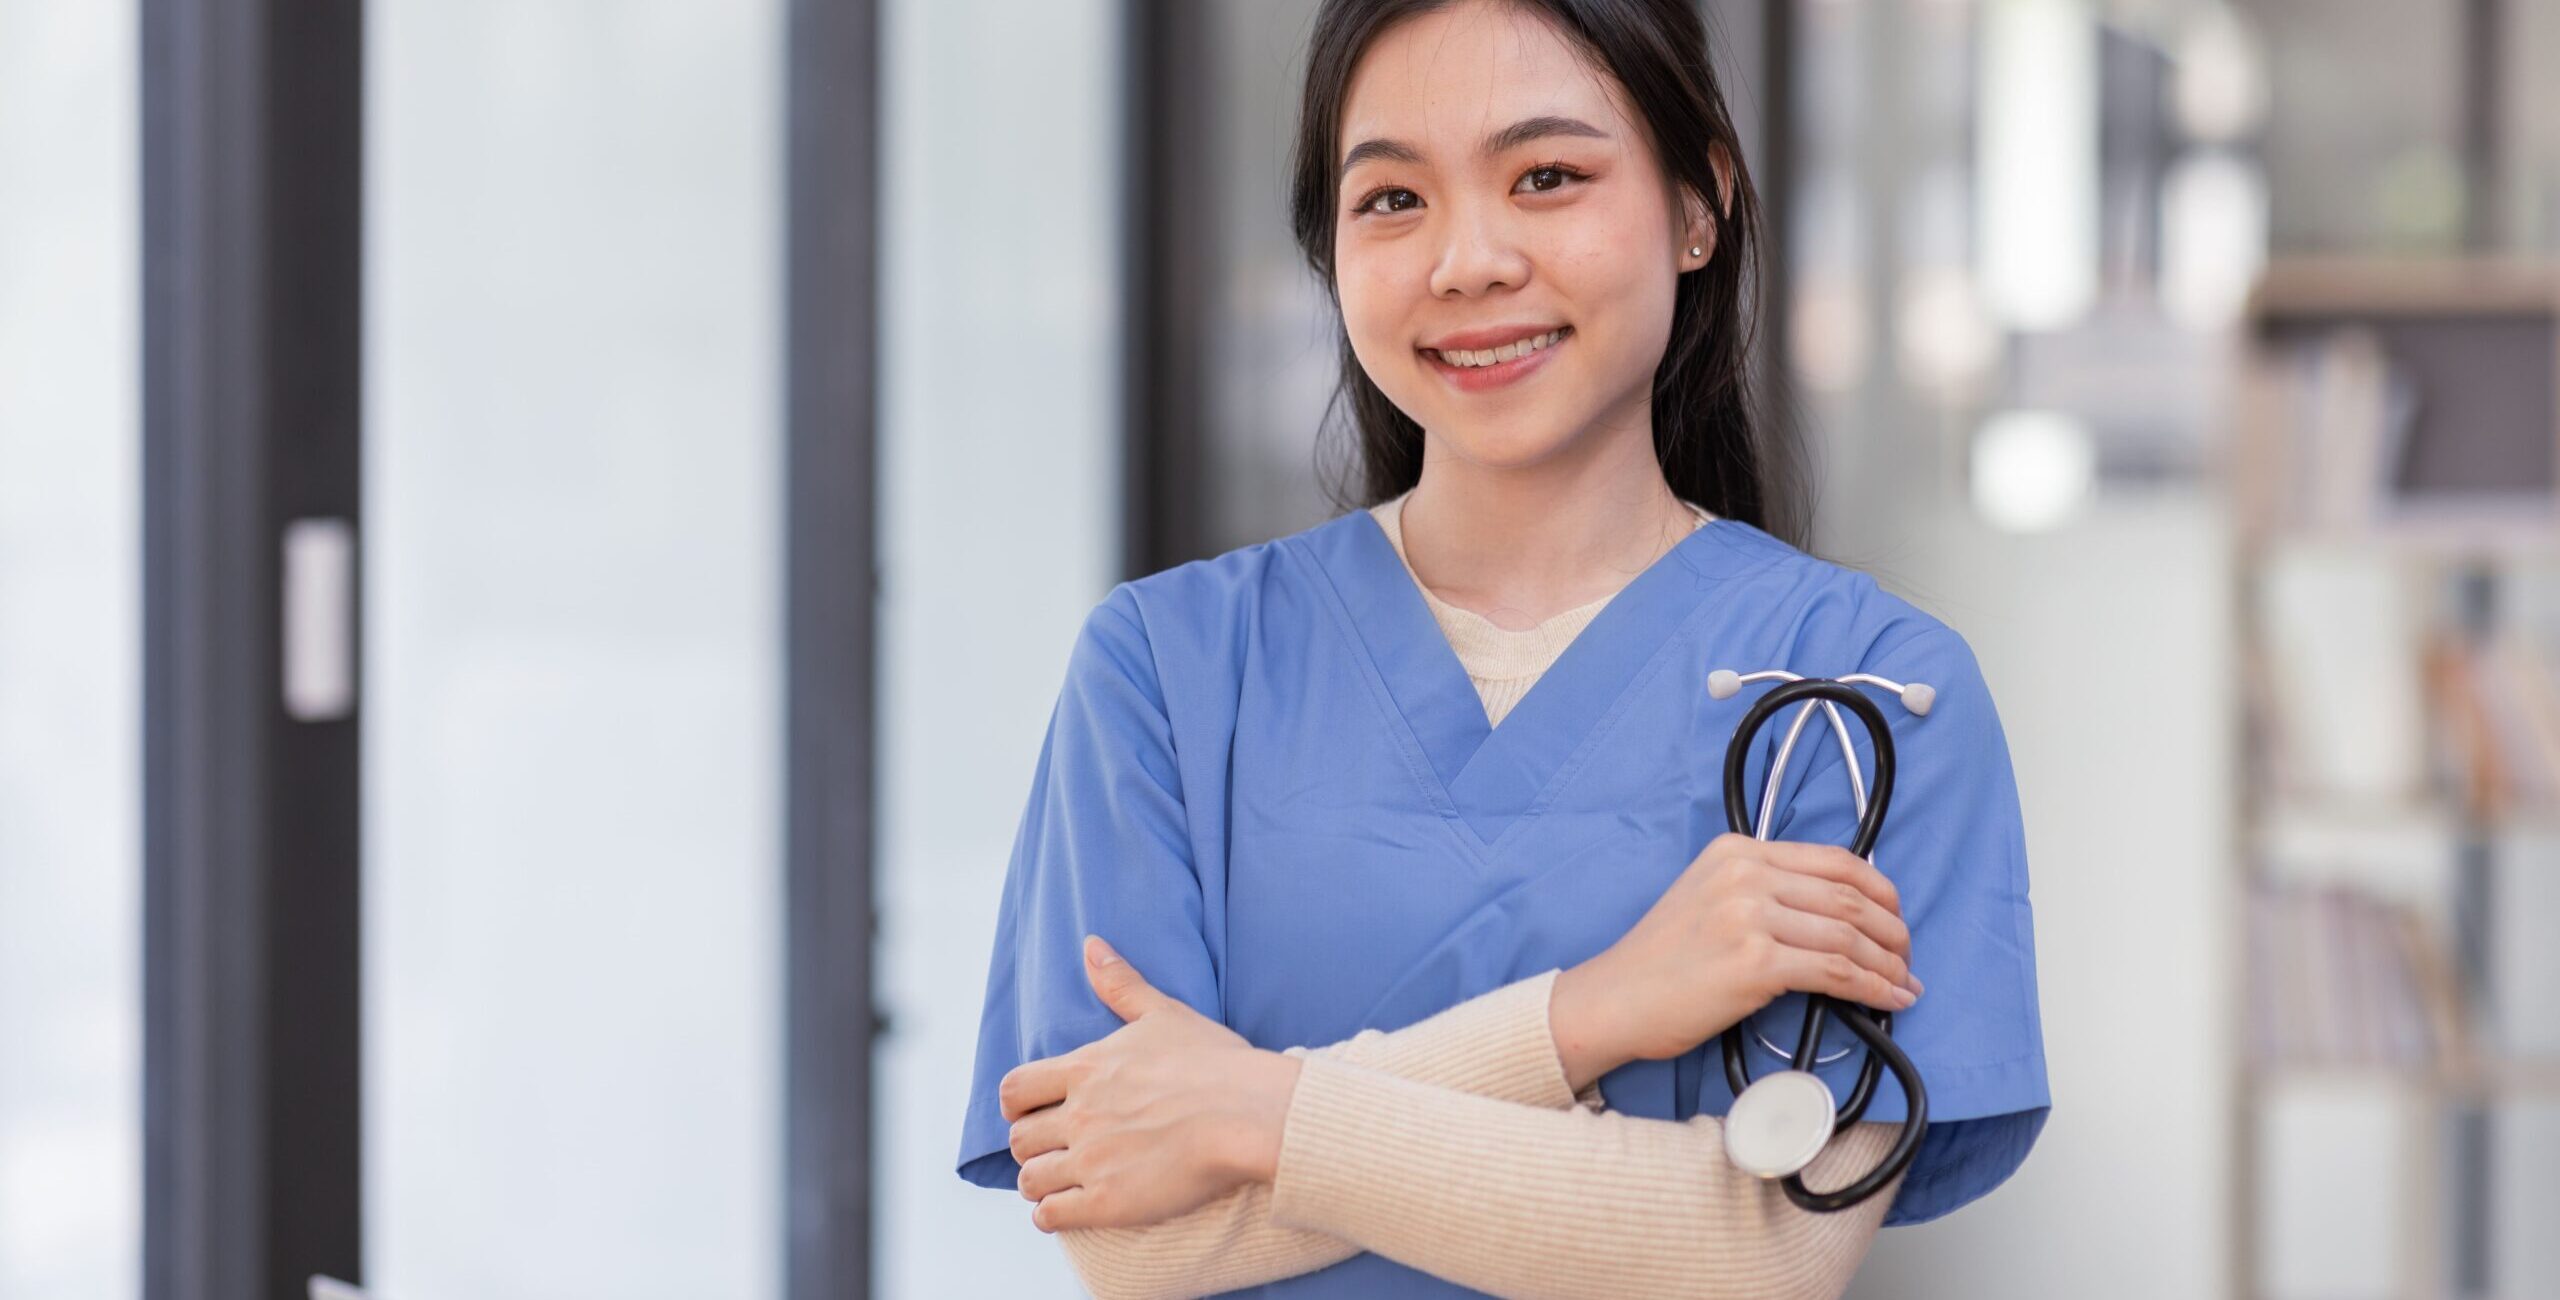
column 1033, row 1084
column 1040, row 1131
column 1846, row 904
column 1801, row 929
column 1832, row 862
column 1045, row 1175
column 1813, row 971
column 1072, row 1208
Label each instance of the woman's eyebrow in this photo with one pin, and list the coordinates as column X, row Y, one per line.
column 1509, row 137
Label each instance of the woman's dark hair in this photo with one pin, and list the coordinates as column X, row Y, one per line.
column 1714, row 448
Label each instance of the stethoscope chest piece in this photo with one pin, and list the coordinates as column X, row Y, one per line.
column 1780, row 1123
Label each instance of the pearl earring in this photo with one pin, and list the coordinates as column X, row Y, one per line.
column 1697, row 250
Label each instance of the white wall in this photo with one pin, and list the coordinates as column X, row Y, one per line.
column 1001, row 517
column 2106, row 646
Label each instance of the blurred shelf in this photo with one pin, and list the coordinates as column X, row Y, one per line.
column 2432, row 816
column 2528, row 533
column 2479, row 1080
column 2322, row 467
column 2323, row 286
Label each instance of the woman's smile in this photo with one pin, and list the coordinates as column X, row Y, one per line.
column 1477, row 370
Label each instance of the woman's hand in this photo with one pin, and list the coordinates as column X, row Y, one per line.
column 1169, row 1112
column 1748, row 920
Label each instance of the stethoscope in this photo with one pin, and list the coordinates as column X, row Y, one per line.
column 1780, row 1122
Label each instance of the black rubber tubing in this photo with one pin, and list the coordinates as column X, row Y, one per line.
column 1874, row 1027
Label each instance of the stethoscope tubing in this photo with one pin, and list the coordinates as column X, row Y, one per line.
column 1874, row 1027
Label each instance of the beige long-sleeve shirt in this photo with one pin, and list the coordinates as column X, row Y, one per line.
column 1457, row 1146
column 1502, row 662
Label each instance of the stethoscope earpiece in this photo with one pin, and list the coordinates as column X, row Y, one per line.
column 1781, row 1121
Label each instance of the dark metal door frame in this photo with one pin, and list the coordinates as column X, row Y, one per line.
column 252, row 197
column 1169, row 264
column 252, row 136
column 832, row 588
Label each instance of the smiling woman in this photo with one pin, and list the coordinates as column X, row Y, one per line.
column 1581, row 206
column 1402, row 831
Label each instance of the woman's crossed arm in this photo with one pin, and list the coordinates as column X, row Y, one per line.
column 1452, row 1145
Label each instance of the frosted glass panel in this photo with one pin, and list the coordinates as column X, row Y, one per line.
column 999, row 529
column 573, row 983
column 70, row 666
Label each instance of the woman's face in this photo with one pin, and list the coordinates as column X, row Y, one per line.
column 1500, row 198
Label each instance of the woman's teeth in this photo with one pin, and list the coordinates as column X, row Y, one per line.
column 1495, row 356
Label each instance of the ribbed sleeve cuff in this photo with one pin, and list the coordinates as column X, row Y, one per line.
column 1498, row 1044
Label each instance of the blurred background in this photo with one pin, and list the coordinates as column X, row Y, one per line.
column 538, row 539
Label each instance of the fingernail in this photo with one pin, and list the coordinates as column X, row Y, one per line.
column 1904, row 997
column 1912, row 978
column 1102, row 954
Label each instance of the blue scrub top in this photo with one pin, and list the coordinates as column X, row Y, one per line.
column 1270, row 784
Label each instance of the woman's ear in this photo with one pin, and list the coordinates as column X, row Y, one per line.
column 1699, row 226
column 1697, row 231
column 1721, row 159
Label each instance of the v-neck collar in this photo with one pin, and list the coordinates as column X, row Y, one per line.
column 1490, row 651
column 1493, row 778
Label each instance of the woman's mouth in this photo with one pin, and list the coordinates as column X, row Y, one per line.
column 1476, row 371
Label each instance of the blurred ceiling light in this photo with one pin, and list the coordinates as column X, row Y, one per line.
column 2221, row 93
column 1947, row 343
column 2213, row 237
column 2032, row 470
column 1828, row 331
column 2037, row 138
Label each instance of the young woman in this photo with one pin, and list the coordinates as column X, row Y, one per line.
column 1447, row 765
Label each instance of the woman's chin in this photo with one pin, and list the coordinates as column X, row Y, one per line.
column 1517, row 441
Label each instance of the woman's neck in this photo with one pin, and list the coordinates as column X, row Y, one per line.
column 1519, row 544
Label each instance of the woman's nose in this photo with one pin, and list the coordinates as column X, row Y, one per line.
column 1478, row 253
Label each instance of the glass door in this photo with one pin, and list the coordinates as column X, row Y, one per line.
column 573, row 799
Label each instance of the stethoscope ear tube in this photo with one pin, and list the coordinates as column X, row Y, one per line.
column 1874, row 1028
column 1737, row 755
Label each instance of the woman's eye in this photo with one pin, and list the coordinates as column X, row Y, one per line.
column 1552, row 176
column 1543, row 179
column 1398, row 200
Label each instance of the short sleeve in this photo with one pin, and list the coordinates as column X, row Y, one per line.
column 1103, row 848
column 1954, row 844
